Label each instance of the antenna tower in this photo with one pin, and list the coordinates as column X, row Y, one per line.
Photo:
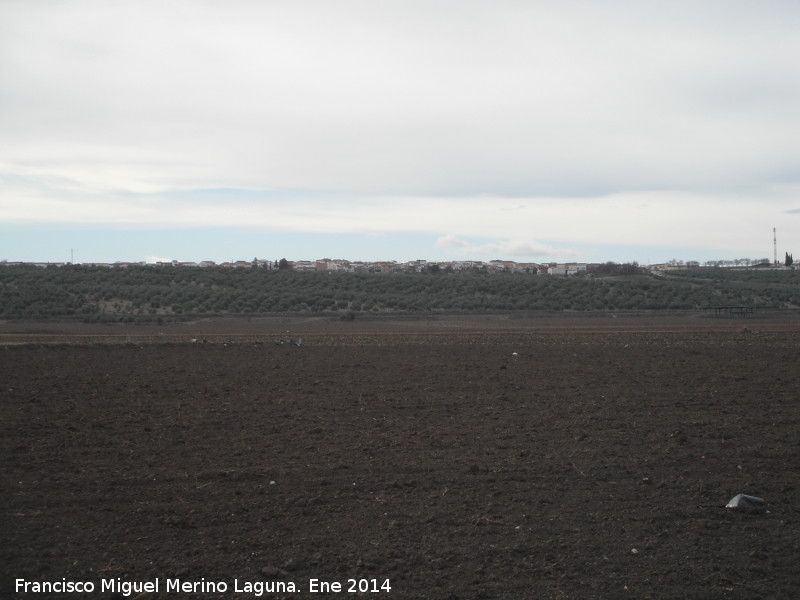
column 775, row 246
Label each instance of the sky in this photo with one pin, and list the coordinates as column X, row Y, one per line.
column 544, row 131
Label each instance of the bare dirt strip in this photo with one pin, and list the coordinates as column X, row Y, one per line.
column 274, row 328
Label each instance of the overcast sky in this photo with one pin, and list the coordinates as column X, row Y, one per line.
column 399, row 129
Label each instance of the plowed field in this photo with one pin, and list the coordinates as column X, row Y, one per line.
column 465, row 463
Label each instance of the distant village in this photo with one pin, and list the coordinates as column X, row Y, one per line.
column 346, row 266
column 420, row 266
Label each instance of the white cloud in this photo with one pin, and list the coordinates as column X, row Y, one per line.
column 501, row 248
column 520, row 226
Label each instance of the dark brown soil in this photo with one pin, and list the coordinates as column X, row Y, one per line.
column 459, row 464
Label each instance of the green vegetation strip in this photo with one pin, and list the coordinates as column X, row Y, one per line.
column 148, row 293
